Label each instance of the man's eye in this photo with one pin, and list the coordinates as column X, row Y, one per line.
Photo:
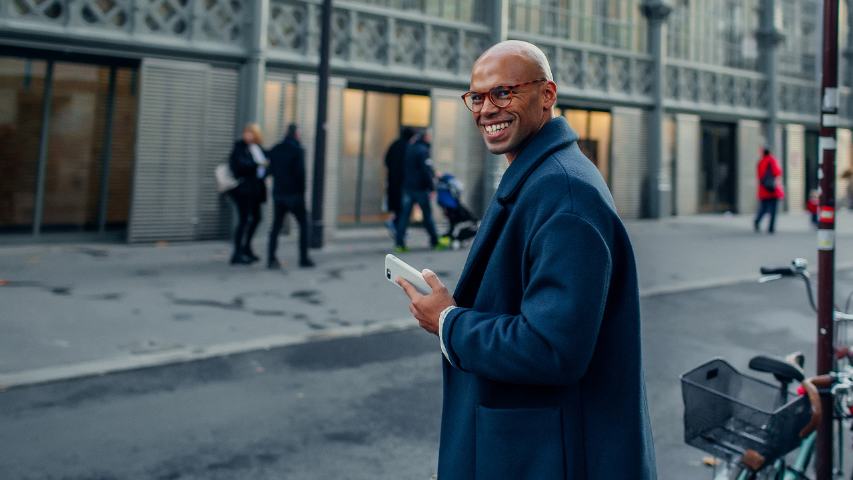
column 476, row 98
column 500, row 93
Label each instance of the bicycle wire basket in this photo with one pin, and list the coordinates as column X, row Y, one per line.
column 727, row 412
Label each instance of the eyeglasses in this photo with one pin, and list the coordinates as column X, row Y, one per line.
column 500, row 96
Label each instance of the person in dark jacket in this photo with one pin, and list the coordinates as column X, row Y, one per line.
column 248, row 164
column 287, row 167
column 418, row 185
column 541, row 340
column 770, row 190
column 394, row 161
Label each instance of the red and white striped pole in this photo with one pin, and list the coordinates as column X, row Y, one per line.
column 826, row 230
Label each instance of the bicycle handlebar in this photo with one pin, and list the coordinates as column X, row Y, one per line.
column 811, row 385
column 784, row 271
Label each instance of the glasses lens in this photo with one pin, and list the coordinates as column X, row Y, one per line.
column 500, row 96
column 474, row 101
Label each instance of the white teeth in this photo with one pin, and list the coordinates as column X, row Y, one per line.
column 496, row 127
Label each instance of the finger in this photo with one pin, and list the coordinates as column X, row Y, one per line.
column 413, row 311
column 432, row 280
column 408, row 288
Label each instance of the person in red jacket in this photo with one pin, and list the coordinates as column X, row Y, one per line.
column 769, row 189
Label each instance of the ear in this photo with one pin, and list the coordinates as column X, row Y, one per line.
column 549, row 95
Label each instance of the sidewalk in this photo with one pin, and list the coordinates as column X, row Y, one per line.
column 80, row 309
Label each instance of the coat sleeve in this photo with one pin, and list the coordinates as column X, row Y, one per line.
column 552, row 340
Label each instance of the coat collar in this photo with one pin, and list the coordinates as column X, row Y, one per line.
column 553, row 136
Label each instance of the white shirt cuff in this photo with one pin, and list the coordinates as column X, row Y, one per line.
column 441, row 318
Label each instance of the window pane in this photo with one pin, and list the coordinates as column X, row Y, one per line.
column 416, row 110
column 77, row 123
column 21, row 95
column 352, row 116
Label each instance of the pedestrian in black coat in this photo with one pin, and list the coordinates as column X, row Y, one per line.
column 395, row 163
column 418, row 186
column 248, row 164
column 287, row 167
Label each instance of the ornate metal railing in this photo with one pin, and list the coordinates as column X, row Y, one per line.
column 799, row 96
column 162, row 22
column 596, row 72
column 375, row 39
column 710, row 87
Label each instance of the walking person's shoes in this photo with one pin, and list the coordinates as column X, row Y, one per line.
column 273, row 264
column 306, row 263
column 400, row 249
column 251, row 255
column 240, row 259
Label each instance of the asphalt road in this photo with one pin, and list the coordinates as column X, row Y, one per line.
column 355, row 408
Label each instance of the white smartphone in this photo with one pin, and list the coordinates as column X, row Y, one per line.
column 396, row 268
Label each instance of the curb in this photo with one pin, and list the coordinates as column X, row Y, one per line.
column 715, row 282
column 188, row 354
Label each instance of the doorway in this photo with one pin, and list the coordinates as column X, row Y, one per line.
column 67, row 134
column 718, row 175
column 372, row 120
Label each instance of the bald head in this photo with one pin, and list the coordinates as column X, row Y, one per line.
column 515, row 94
column 534, row 60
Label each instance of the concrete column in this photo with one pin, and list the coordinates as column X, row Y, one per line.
column 656, row 184
column 252, row 86
column 749, row 143
column 769, row 37
column 687, row 144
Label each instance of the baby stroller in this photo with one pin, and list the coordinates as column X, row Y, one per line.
column 462, row 223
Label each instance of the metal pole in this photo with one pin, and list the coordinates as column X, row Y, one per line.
column 769, row 38
column 826, row 229
column 320, row 136
column 38, row 210
column 657, row 185
column 106, row 155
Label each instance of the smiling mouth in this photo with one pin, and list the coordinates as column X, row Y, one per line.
column 496, row 128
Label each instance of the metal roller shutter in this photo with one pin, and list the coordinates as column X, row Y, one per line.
column 795, row 167
column 219, row 135
column 186, row 127
column 171, row 132
column 629, row 161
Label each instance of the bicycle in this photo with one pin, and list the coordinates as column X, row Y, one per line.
column 751, row 424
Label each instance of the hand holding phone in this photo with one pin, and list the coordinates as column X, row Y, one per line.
column 396, row 268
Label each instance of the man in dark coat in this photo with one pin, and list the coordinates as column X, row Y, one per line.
column 418, row 185
column 287, row 167
column 543, row 374
column 394, row 161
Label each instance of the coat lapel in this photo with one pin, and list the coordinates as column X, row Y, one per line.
column 554, row 136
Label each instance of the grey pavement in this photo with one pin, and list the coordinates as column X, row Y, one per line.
column 69, row 310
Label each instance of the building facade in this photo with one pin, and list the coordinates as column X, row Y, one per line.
column 115, row 113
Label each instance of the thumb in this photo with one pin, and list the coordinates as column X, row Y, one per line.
column 432, row 280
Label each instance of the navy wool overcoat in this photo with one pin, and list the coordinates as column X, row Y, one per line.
column 542, row 376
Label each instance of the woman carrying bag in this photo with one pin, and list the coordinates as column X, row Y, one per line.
column 248, row 164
